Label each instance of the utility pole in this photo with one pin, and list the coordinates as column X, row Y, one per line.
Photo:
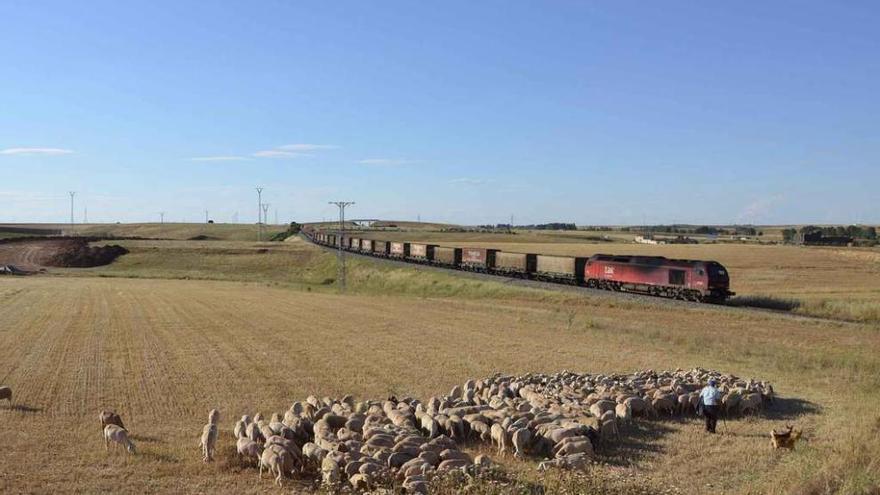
column 276, row 216
column 85, row 214
column 340, row 253
column 259, row 213
column 161, row 217
column 72, row 194
column 265, row 207
column 206, row 216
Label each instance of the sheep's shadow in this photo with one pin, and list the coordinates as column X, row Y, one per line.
column 24, row 408
column 158, row 456
column 146, row 439
column 638, row 439
column 788, row 408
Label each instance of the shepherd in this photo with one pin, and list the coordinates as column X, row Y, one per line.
column 710, row 398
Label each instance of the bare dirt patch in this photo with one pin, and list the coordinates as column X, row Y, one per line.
column 32, row 254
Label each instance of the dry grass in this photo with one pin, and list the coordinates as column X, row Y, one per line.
column 163, row 352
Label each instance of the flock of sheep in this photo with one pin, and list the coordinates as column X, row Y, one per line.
column 561, row 419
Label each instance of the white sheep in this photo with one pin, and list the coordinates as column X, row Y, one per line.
column 119, row 436
column 208, row 441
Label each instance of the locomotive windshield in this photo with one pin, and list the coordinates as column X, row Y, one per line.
column 716, row 271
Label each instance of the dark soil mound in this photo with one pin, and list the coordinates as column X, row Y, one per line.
column 203, row 237
column 81, row 255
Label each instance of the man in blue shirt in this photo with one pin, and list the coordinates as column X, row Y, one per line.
column 710, row 398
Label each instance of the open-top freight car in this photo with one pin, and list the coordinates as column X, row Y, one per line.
column 421, row 253
column 521, row 265
column 399, row 250
column 560, row 269
column 478, row 259
column 659, row 276
column 447, row 256
column 366, row 246
column 381, row 248
column 354, row 244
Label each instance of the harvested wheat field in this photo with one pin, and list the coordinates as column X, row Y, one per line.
column 164, row 352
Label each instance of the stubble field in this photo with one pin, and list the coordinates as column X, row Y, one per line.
column 136, row 336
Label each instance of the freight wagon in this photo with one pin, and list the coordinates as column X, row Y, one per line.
column 421, row 253
column 381, row 248
column 399, row 250
column 562, row 269
column 355, row 244
column 658, row 276
column 478, row 259
column 366, row 246
column 515, row 264
column 447, row 256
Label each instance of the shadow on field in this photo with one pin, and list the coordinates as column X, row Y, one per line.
column 787, row 408
column 26, row 408
column 765, row 302
column 156, row 456
column 637, row 440
column 146, row 439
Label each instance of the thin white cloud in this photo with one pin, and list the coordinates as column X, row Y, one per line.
column 306, row 147
column 278, row 154
column 219, row 158
column 35, row 151
column 760, row 208
column 469, row 181
column 384, row 161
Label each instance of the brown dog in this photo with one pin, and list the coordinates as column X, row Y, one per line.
column 785, row 440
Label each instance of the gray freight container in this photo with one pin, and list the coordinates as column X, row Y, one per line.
column 479, row 259
column 519, row 264
column 447, row 256
column 560, row 268
column 421, row 252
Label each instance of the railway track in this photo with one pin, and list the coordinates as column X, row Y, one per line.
column 579, row 289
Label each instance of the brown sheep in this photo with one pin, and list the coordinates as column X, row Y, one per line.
column 110, row 418
column 6, row 393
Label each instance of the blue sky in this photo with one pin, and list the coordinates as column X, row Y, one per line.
column 467, row 112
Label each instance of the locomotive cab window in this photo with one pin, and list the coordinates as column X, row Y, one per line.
column 700, row 272
column 676, row 277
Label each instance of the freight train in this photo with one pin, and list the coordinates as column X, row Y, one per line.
column 691, row 280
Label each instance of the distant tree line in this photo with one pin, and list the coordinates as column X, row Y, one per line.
column 292, row 229
column 549, row 226
column 853, row 231
column 539, row 226
column 742, row 230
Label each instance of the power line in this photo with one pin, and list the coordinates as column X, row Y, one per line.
column 340, row 253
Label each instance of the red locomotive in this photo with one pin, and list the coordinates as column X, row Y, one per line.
column 658, row 276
